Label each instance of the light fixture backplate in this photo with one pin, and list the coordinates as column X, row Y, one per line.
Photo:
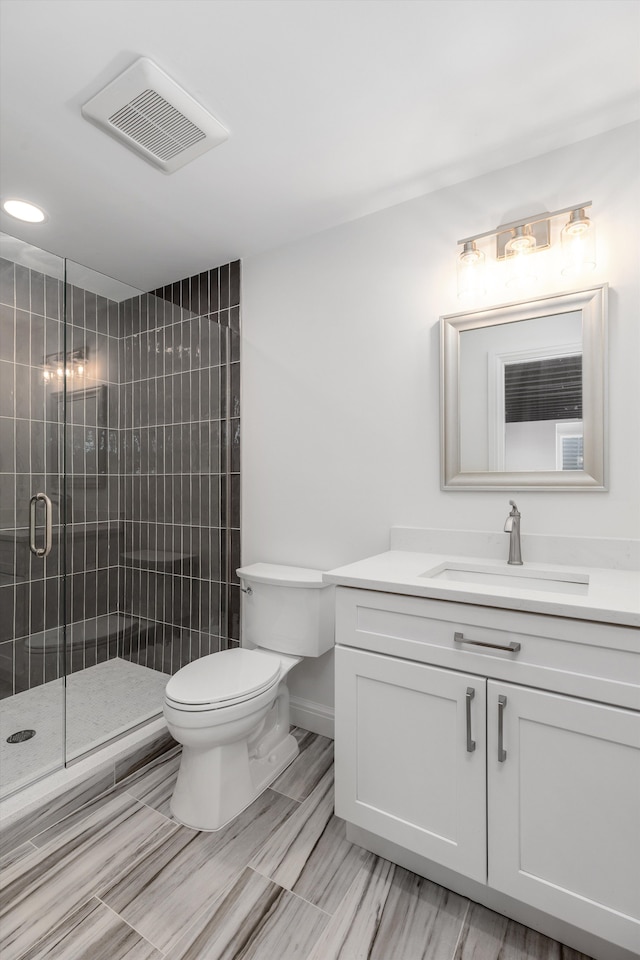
column 540, row 230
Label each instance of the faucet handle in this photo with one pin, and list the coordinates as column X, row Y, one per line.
column 514, row 512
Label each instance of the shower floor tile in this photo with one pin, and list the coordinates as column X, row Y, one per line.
column 103, row 701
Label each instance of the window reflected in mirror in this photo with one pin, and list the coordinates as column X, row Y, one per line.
column 523, row 380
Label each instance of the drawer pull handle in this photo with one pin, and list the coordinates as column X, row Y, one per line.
column 511, row 647
column 471, row 744
column 502, row 753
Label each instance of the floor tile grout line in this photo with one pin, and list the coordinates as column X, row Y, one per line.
column 75, row 813
column 94, row 894
column 461, row 930
column 292, row 892
column 300, row 799
column 72, row 813
column 116, row 785
column 8, row 854
column 209, row 905
column 130, row 925
column 52, row 930
column 286, row 795
column 138, row 858
column 159, row 812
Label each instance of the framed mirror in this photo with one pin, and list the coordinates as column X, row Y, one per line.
column 523, row 395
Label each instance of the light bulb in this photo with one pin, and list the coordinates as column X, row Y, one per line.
column 470, row 270
column 60, row 372
column 518, row 252
column 578, row 244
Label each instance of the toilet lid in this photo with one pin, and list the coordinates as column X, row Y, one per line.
column 228, row 675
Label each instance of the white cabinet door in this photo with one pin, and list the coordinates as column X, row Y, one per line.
column 410, row 767
column 564, row 809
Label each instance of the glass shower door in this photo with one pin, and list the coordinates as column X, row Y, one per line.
column 107, row 692
column 31, row 513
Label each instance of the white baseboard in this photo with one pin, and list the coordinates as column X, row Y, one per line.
column 316, row 717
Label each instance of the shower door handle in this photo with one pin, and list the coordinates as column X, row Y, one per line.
column 48, row 525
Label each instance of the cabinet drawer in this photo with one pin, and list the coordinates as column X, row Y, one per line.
column 582, row 658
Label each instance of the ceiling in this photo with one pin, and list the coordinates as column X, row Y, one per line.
column 336, row 108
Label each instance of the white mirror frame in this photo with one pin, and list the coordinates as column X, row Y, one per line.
column 592, row 305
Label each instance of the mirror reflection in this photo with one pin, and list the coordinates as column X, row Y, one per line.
column 521, row 406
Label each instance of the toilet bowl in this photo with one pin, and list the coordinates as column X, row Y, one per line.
column 230, row 710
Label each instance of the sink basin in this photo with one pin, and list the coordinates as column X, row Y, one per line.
column 515, row 578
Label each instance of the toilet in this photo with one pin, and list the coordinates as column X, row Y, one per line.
column 230, row 710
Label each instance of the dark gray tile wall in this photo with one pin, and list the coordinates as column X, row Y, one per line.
column 32, row 460
column 30, row 454
column 94, row 528
column 153, row 473
column 180, row 377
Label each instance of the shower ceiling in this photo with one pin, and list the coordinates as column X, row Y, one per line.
column 335, row 110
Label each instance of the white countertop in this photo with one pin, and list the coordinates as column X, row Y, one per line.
column 612, row 596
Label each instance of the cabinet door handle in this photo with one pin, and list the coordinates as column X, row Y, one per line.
column 511, row 647
column 471, row 744
column 502, row 753
column 48, row 529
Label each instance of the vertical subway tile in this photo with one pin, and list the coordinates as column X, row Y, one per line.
column 224, row 286
column 234, row 283
column 22, row 287
column 7, row 282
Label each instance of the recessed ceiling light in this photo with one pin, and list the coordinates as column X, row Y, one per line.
column 22, row 210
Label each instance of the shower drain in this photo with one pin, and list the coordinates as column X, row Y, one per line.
column 21, row 736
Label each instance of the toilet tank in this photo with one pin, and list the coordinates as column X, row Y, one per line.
column 289, row 609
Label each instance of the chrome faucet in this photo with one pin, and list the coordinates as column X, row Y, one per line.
column 512, row 527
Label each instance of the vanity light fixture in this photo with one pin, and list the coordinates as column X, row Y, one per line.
column 516, row 243
column 56, row 368
column 23, row 210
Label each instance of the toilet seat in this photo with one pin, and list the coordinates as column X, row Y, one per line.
column 223, row 679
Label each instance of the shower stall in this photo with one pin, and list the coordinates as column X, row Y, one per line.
column 119, row 499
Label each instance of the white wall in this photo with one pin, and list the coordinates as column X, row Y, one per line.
column 340, row 421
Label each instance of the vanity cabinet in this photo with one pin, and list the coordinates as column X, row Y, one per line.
column 515, row 763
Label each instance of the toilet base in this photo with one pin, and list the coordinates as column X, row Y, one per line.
column 230, row 763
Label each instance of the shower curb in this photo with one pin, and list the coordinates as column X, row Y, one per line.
column 25, row 814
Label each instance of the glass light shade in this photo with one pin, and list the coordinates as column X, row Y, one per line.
column 518, row 250
column 578, row 244
column 470, row 270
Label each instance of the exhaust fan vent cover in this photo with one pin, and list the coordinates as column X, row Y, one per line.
column 146, row 110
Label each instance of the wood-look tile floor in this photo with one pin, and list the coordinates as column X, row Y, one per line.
column 120, row 880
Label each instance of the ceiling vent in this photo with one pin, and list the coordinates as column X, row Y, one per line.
column 147, row 111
